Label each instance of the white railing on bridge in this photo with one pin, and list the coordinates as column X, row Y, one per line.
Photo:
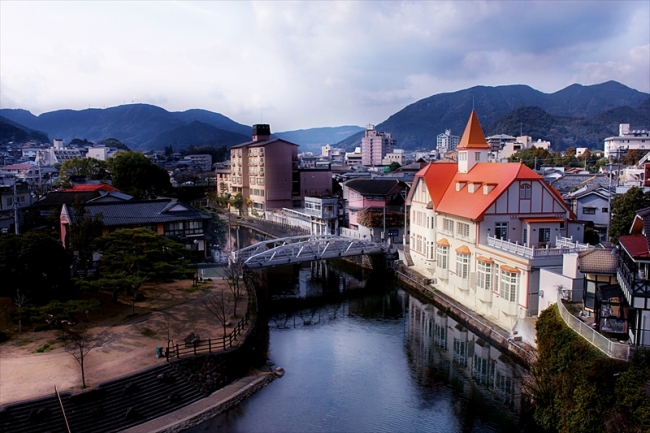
column 299, row 249
column 613, row 349
column 349, row 233
column 563, row 246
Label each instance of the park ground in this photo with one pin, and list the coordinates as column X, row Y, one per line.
column 33, row 363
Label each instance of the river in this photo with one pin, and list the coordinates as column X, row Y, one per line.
column 363, row 355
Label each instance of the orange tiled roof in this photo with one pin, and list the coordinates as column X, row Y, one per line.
column 443, row 242
column 473, row 137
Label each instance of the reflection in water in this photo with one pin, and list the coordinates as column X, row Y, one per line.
column 363, row 355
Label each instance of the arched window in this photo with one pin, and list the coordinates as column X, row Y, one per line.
column 524, row 191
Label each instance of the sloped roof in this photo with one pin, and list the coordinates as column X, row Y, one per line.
column 597, row 261
column 568, row 182
column 473, row 137
column 129, row 213
column 92, row 187
column 636, row 246
column 59, row 198
column 373, row 186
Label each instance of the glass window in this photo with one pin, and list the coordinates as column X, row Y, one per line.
column 462, row 265
column 484, row 275
column 501, row 230
column 442, row 258
column 463, row 229
column 524, row 191
column 544, row 235
column 509, row 283
column 589, row 210
column 448, row 225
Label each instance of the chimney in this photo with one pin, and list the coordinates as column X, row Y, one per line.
column 261, row 132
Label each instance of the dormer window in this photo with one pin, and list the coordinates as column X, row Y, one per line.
column 524, row 191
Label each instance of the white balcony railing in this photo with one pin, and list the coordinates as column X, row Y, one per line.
column 563, row 246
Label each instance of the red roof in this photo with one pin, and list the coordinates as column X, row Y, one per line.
column 92, row 187
column 635, row 245
column 473, row 137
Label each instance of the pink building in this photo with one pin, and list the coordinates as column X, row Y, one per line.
column 375, row 145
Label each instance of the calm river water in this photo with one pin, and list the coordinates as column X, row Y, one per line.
column 362, row 355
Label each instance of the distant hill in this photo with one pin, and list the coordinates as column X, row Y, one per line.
column 134, row 124
column 417, row 125
column 11, row 131
column 311, row 140
column 197, row 134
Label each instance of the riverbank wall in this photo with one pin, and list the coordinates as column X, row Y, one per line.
column 478, row 324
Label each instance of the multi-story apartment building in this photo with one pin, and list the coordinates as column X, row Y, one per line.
column 482, row 230
column 446, row 142
column 265, row 171
column 375, row 145
column 626, row 140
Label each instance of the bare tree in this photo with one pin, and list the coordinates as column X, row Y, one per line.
column 20, row 300
column 235, row 274
column 78, row 345
column 219, row 304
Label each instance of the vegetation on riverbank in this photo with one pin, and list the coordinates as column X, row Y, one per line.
column 576, row 388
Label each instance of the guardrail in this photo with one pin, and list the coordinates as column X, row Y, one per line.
column 610, row 348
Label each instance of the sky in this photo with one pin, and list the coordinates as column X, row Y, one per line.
column 299, row 65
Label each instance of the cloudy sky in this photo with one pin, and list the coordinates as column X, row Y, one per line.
column 309, row 64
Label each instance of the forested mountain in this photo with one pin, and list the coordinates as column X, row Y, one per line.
column 505, row 109
column 13, row 131
column 575, row 116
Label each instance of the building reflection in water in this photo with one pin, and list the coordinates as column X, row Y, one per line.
column 441, row 347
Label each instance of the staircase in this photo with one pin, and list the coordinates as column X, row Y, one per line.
column 111, row 407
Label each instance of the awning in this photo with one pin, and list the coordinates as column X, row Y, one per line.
column 543, row 220
column 463, row 249
column 443, row 242
column 484, row 259
column 510, row 269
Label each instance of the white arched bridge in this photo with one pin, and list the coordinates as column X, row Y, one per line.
column 307, row 248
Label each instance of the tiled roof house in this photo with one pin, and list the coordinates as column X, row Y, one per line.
column 482, row 230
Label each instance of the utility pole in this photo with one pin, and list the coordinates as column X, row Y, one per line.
column 609, row 202
column 17, row 229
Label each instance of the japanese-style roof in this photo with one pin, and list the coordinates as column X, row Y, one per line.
column 59, row 198
column 18, row 167
column 597, row 261
column 130, row 213
column 636, row 246
column 568, row 182
column 473, row 137
column 373, row 186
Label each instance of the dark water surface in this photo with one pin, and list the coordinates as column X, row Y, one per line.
column 362, row 355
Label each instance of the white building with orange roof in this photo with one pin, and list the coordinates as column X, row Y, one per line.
column 482, row 230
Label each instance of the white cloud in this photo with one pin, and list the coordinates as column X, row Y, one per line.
column 307, row 64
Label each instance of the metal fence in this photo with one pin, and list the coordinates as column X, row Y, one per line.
column 613, row 349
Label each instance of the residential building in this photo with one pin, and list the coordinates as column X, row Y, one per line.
column 375, row 145
column 369, row 202
column 265, row 171
column 202, row 161
column 592, row 204
column 446, row 142
column 354, row 158
column 627, row 139
column 397, row 156
column 633, row 276
column 483, row 230
column 167, row 217
column 58, row 154
column 101, row 153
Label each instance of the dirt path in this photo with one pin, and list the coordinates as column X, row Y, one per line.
column 124, row 344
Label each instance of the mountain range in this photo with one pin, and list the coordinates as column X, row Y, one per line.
column 579, row 116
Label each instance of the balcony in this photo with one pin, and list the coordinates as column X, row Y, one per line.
column 636, row 288
column 518, row 249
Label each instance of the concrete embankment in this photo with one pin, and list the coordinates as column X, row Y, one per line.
column 207, row 408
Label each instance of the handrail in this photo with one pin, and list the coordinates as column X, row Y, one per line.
column 65, row 418
column 610, row 348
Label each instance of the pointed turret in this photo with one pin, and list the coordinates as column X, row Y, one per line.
column 473, row 147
